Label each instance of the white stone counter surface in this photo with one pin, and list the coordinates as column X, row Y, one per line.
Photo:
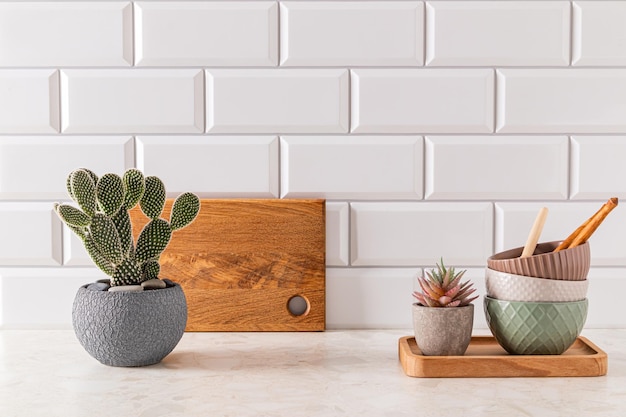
column 334, row 373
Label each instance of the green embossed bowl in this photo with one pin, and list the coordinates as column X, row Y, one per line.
column 535, row 328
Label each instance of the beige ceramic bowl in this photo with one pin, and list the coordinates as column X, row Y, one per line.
column 568, row 264
column 511, row 287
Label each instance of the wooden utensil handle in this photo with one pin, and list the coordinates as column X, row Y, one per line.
column 535, row 232
column 585, row 230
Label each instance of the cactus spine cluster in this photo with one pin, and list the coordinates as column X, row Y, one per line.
column 102, row 221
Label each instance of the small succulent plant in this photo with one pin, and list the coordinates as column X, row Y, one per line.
column 102, row 221
column 443, row 288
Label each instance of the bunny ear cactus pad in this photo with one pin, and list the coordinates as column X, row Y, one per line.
column 68, row 182
column 153, row 240
column 151, row 269
column 102, row 221
column 153, row 199
column 106, row 238
column 184, row 210
column 72, row 216
column 110, row 193
column 134, row 187
column 83, row 191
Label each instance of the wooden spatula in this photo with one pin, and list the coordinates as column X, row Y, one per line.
column 535, row 232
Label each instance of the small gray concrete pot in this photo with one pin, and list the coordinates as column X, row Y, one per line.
column 129, row 328
column 443, row 331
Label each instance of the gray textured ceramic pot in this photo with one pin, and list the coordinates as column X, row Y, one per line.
column 129, row 328
column 441, row 331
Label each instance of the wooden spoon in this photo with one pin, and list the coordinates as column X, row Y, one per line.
column 535, row 232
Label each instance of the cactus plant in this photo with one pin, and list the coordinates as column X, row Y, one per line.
column 102, row 221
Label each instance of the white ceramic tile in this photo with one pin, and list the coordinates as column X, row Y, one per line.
column 348, row 33
column 420, row 233
column 41, row 298
column 337, row 234
column 477, row 277
column 369, row 298
column 608, row 246
column 220, row 33
column 598, row 33
column 66, row 33
column 561, row 100
column 31, row 234
column 344, row 167
column 598, row 168
column 496, row 167
column 132, row 101
column 484, row 33
column 606, row 286
column 74, row 253
column 29, row 101
column 226, row 166
column 422, row 100
column 35, row 167
column 277, row 101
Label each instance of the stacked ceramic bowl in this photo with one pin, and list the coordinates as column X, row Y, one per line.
column 537, row 305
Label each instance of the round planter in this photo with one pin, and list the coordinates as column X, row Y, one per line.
column 129, row 328
column 443, row 331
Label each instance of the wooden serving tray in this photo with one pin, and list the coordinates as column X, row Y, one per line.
column 486, row 358
column 241, row 261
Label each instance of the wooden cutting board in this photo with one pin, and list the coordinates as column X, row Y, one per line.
column 242, row 260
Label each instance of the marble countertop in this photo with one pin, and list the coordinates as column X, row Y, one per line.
column 334, row 373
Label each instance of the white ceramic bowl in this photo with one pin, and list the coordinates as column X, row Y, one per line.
column 511, row 287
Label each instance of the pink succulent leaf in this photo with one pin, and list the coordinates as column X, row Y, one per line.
column 419, row 297
column 446, row 279
column 432, row 277
column 466, row 292
column 456, row 303
column 456, row 280
column 445, row 300
column 452, row 292
column 427, row 289
column 467, row 301
column 424, row 300
column 432, row 303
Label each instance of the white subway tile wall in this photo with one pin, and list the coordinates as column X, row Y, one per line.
column 29, row 101
column 66, row 33
column 346, row 33
column 277, row 101
column 422, row 100
column 599, row 33
column 571, row 100
column 498, row 168
column 36, row 167
column 193, row 33
column 212, row 166
column 381, row 167
column 132, row 101
column 414, row 233
column 485, row 33
column 433, row 129
column 337, row 234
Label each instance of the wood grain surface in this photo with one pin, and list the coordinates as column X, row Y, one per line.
column 486, row 358
column 241, row 261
